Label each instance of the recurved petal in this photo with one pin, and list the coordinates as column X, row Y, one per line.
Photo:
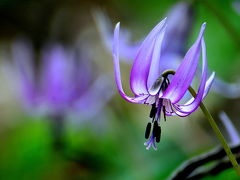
column 185, row 72
column 189, row 108
column 146, row 64
column 117, row 73
column 175, row 112
column 208, row 85
column 179, row 113
column 154, row 71
column 177, row 108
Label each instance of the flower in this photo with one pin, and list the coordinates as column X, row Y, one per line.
column 180, row 21
column 226, row 89
column 152, row 87
column 63, row 83
column 179, row 32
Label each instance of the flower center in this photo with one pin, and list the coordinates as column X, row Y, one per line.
column 159, row 105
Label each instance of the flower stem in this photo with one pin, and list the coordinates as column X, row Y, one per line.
column 218, row 133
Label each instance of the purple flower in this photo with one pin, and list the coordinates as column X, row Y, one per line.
column 63, row 82
column 152, row 87
column 178, row 32
column 226, row 89
column 180, row 21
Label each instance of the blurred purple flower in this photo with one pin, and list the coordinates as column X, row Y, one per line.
column 236, row 6
column 63, row 84
column 178, row 32
column 228, row 90
column 154, row 88
column 180, row 21
column 231, row 130
column 127, row 50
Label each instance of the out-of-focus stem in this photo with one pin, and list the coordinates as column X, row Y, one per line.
column 57, row 131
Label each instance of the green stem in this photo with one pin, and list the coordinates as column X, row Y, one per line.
column 218, row 133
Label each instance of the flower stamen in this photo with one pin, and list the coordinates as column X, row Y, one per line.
column 148, row 130
column 158, row 105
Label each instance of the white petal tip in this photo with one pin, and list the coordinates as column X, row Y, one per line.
column 212, row 76
column 164, row 21
column 204, row 25
column 202, row 30
column 116, row 30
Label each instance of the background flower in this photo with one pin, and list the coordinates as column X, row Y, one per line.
column 62, row 83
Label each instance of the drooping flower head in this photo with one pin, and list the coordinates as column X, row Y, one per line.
column 152, row 87
column 62, row 83
column 180, row 21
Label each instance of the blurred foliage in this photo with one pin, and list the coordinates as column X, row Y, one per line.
column 114, row 150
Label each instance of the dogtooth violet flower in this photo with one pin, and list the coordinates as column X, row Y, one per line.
column 180, row 23
column 155, row 88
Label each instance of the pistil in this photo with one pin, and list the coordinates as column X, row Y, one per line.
column 158, row 106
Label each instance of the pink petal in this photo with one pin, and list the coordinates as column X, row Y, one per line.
column 185, row 72
column 189, row 108
column 142, row 70
column 154, row 71
column 117, row 73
